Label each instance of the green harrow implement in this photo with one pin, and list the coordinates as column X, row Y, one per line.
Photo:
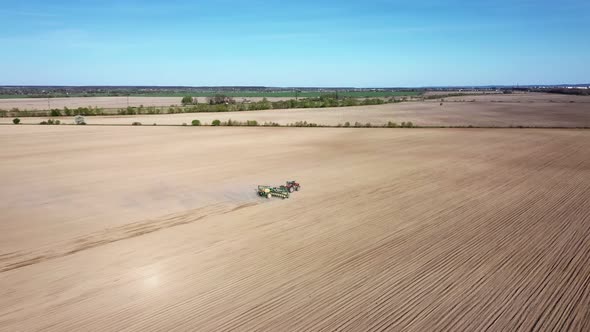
column 268, row 192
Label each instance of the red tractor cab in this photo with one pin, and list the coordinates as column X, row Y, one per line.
column 292, row 186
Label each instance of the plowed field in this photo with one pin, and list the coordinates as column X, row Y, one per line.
column 159, row 228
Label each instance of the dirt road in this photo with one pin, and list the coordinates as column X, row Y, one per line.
column 158, row 228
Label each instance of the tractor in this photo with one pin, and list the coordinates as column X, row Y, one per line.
column 292, row 186
column 268, row 192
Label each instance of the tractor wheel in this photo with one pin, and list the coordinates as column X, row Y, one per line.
column 290, row 189
column 268, row 195
column 297, row 188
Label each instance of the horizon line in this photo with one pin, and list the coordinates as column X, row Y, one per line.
column 296, row 87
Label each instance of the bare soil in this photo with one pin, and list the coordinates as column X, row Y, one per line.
column 102, row 102
column 119, row 228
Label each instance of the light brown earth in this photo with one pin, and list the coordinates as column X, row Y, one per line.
column 527, row 98
column 529, row 110
column 158, row 228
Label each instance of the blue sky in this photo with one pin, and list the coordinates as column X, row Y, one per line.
column 296, row 43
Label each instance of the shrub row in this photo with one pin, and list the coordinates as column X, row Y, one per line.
column 50, row 122
column 54, row 112
column 264, row 104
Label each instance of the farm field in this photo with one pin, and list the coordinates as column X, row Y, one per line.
column 527, row 98
column 102, row 102
column 164, row 99
column 159, row 228
column 535, row 109
column 464, row 92
column 239, row 94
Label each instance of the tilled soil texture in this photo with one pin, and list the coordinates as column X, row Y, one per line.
column 119, row 228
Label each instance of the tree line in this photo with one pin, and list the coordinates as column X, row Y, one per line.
column 219, row 103
column 326, row 100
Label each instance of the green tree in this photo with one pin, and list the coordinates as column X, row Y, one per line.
column 79, row 120
column 16, row 120
column 265, row 104
column 216, row 123
column 187, row 100
column 221, row 99
column 196, row 123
